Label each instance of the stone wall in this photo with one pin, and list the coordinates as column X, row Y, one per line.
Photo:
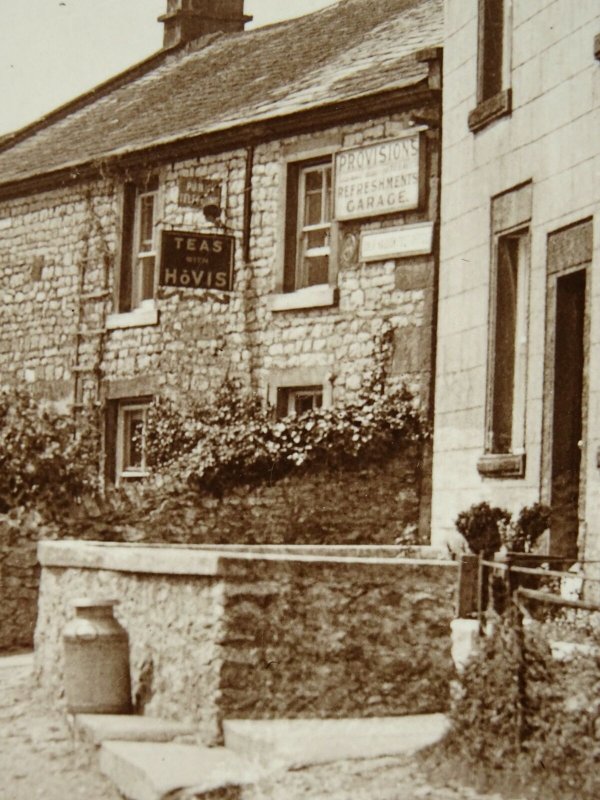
column 245, row 634
column 369, row 504
column 19, row 577
column 61, row 244
column 313, row 639
column 376, row 503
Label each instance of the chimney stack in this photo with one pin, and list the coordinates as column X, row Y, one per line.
column 187, row 20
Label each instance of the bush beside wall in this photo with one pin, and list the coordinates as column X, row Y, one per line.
column 19, row 579
column 525, row 722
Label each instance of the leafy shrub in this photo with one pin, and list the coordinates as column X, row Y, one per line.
column 480, row 525
column 521, row 535
column 526, row 720
column 236, row 442
column 46, row 457
column 486, row 528
column 532, row 522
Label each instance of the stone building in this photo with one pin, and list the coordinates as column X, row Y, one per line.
column 518, row 356
column 253, row 204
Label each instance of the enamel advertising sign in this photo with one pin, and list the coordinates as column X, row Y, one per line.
column 197, row 260
column 380, row 178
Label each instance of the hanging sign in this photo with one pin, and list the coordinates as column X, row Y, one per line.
column 198, row 192
column 407, row 240
column 380, row 178
column 197, row 260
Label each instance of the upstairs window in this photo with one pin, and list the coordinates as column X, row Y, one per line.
column 308, row 225
column 504, row 455
column 493, row 63
column 139, row 246
column 491, row 43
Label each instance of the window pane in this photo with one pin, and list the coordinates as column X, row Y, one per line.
column 319, row 238
column 505, row 343
column 133, row 445
column 493, row 33
column 312, row 208
column 327, row 197
column 314, row 180
column 305, row 401
column 316, row 270
column 146, row 268
column 146, row 222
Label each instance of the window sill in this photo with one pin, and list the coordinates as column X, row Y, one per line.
column 132, row 475
column 502, row 465
column 500, row 105
column 310, row 297
column 137, row 318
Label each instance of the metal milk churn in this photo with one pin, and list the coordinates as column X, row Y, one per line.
column 96, row 647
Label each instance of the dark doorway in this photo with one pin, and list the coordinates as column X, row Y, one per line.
column 567, row 431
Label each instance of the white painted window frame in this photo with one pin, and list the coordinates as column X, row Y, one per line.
column 123, row 472
column 294, row 155
column 295, row 392
column 303, row 230
column 140, row 254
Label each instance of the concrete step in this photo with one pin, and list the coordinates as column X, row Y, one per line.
column 292, row 743
column 20, row 661
column 98, row 728
column 153, row 771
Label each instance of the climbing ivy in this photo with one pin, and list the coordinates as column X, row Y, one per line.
column 237, row 441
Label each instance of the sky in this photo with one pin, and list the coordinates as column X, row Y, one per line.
column 53, row 50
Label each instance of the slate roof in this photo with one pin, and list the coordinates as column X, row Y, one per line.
column 351, row 49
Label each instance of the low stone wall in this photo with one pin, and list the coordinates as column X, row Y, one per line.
column 372, row 503
column 381, row 502
column 19, row 576
column 225, row 633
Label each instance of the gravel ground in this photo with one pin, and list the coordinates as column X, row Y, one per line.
column 397, row 778
column 38, row 759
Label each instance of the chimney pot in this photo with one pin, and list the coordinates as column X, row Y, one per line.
column 186, row 20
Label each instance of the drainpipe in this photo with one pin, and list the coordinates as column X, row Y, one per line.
column 247, row 223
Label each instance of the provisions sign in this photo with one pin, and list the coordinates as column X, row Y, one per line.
column 379, row 178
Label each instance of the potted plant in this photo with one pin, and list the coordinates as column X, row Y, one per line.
column 480, row 525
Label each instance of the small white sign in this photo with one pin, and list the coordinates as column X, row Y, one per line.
column 408, row 240
column 379, row 178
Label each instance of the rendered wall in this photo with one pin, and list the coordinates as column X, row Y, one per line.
column 550, row 138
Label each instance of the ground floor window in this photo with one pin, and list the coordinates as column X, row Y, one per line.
column 130, row 439
column 509, row 351
column 131, row 445
column 298, row 399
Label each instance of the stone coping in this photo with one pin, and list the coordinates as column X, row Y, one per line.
column 215, row 560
